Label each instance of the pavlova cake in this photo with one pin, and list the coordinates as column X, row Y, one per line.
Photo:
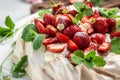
column 77, row 42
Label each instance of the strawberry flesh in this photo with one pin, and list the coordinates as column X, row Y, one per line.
column 55, row 48
column 98, row 38
column 105, row 47
column 49, row 41
column 61, row 37
column 72, row 46
column 90, row 48
column 40, row 27
column 51, row 31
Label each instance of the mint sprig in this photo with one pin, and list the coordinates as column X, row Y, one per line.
column 90, row 60
column 7, row 31
column 30, row 34
column 83, row 10
column 18, row 70
column 115, row 45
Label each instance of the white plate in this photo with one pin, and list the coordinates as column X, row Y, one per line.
column 6, row 48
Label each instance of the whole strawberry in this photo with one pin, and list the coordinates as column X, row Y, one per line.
column 111, row 25
column 71, row 30
column 59, row 9
column 101, row 25
column 82, row 39
column 49, row 19
column 115, row 34
column 63, row 19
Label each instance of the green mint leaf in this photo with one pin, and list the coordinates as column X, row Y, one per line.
column 77, row 57
column 88, row 12
column 99, row 61
column 111, row 13
column 26, row 34
column 6, row 78
column 43, row 12
column 37, row 42
column 115, row 45
column 79, row 16
column 89, row 59
column 97, row 2
column 4, row 31
column 18, row 70
column 89, row 64
column 79, row 6
column 9, row 23
column 90, row 55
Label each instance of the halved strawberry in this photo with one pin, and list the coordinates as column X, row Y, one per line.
column 55, row 48
column 40, row 28
column 51, row 31
column 72, row 46
column 61, row 37
column 88, row 28
column 98, row 38
column 49, row 19
column 37, row 20
column 89, row 48
column 49, row 41
column 105, row 47
column 115, row 34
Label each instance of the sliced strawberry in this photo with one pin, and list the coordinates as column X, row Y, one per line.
column 40, row 28
column 98, row 38
column 49, row 19
column 89, row 48
column 105, row 47
column 49, row 41
column 88, row 28
column 111, row 25
column 72, row 46
column 63, row 19
column 61, row 37
column 71, row 30
column 101, row 25
column 37, row 20
column 55, row 48
column 51, row 31
column 115, row 34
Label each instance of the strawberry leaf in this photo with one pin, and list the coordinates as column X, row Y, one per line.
column 115, row 45
column 88, row 12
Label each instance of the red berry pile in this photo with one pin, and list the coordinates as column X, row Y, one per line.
column 87, row 35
